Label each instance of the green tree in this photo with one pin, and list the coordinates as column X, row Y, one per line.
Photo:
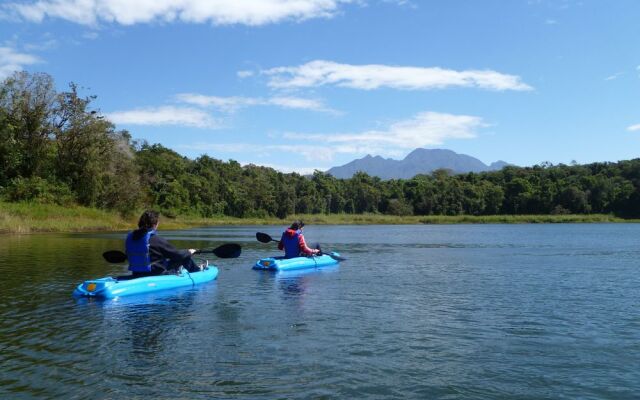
column 93, row 159
column 27, row 103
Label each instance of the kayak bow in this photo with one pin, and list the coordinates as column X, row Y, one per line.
column 110, row 287
column 289, row 264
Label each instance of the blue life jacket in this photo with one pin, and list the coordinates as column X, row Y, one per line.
column 138, row 252
column 291, row 244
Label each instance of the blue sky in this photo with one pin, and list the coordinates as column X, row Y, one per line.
column 300, row 85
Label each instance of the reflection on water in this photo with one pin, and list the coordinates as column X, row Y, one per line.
column 466, row 311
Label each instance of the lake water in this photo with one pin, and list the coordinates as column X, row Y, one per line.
column 417, row 312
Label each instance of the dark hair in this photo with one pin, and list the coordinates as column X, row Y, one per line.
column 148, row 219
column 297, row 224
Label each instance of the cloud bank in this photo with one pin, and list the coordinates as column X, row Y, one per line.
column 217, row 12
column 11, row 61
column 287, row 169
column 310, row 152
column 375, row 76
column 231, row 104
column 168, row 115
column 634, row 128
column 201, row 118
column 424, row 129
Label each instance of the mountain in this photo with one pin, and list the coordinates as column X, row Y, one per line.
column 419, row 161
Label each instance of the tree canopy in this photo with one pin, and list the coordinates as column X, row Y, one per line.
column 55, row 148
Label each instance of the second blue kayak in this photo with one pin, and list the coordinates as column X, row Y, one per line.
column 109, row 287
column 290, row 264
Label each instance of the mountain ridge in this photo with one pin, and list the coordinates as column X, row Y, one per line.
column 418, row 161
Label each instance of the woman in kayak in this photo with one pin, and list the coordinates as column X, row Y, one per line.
column 292, row 242
column 149, row 254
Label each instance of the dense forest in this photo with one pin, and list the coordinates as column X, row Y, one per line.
column 54, row 148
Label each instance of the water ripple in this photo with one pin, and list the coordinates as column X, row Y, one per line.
column 444, row 312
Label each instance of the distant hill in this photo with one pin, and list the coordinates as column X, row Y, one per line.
column 419, row 161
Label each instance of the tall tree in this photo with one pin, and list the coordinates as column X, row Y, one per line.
column 27, row 101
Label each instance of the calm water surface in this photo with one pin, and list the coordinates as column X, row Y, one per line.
column 442, row 312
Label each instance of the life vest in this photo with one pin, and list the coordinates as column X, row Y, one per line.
column 138, row 252
column 291, row 243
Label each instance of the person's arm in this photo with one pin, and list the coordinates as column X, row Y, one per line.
column 304, row 248
column 161, row 249
column 281, row 243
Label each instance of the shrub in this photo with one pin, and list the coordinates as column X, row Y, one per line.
column 38, row 190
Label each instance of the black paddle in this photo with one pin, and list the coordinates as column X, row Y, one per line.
column 264, row 238
column 229, row 250
column 114, row 256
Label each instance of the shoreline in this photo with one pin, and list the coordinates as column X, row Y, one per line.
column 25, row 218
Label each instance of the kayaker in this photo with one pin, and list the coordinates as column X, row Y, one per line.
column 292, row 242
column 149, row 254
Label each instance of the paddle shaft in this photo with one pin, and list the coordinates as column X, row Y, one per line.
column 229, row 250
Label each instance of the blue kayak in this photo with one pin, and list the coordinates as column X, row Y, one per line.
column 290, row 264
column 109, row 287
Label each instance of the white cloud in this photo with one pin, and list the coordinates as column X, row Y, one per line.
column 297, row 102
column 231, row 104
column 164, row 116
column 222, row 103
column 287, row 169
column 221, row 147
column 218, row 12
column 256, row 151
column 310, row 151
column 91, row 35
column 48, row 44
column 634, row 128
column 245, row 74
column 11, row 61
column 367, row 77
column 614, row 76
column 424, row 129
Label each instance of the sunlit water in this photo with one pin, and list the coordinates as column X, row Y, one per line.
column 464, row 311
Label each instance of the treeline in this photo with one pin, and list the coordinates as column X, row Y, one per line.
column 55, row 149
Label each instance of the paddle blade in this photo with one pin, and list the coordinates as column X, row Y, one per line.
column 229, row 250
column 264, row 238
column 114, row 256
column 335, row 256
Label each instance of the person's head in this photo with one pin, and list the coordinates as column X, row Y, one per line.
column 148, row 220
column 296, row 225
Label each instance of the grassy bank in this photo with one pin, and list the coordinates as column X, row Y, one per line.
column 28, row 218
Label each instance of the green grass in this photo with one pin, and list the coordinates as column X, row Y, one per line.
column 30, row 217
column 33, row 217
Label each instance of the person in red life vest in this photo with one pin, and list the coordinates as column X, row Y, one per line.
column 149, row 254
column 292, row 242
